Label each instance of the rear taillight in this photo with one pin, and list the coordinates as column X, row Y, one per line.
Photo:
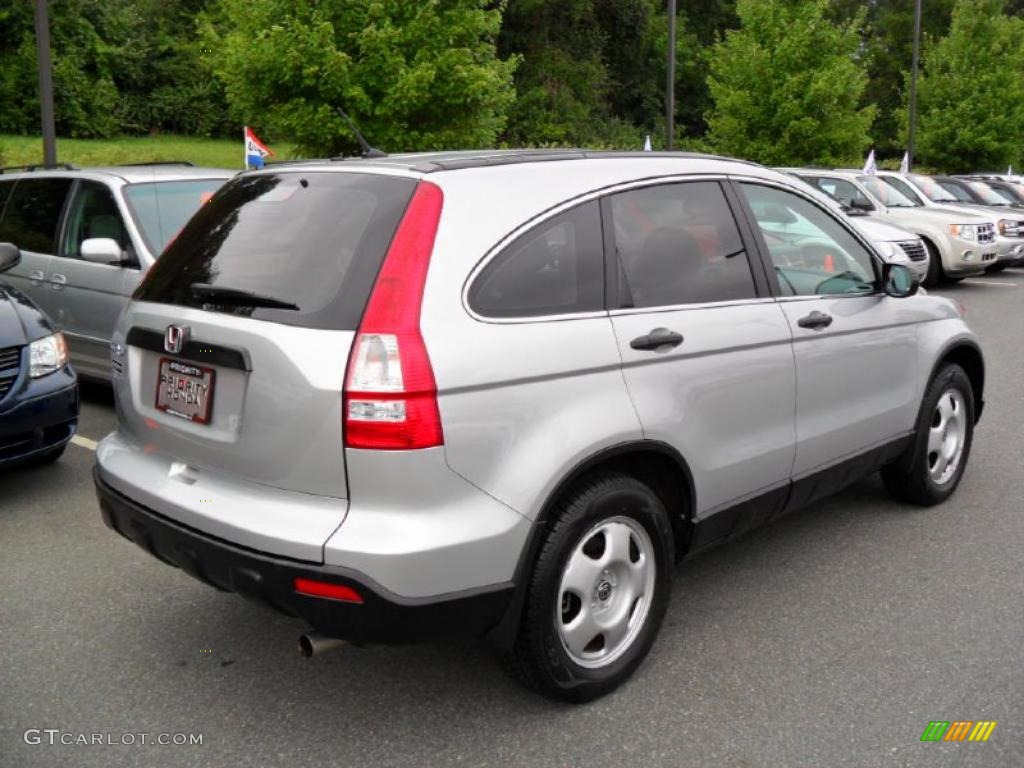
column 390, row 394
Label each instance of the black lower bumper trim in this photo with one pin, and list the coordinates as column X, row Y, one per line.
column 268, row 579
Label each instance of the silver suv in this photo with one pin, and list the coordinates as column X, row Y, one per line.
column 87, row 235
column 499, row 394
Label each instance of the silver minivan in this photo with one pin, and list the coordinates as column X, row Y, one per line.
column 499, row 394
column 88, row 235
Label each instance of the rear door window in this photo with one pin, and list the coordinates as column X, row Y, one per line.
column 679, row 244
column 33, row 213
column 315, row 240
column 555, row 268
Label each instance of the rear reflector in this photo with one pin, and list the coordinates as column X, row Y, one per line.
column 390, row 393
column 325, row 589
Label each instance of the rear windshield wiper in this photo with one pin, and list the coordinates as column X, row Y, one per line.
column 236, row 297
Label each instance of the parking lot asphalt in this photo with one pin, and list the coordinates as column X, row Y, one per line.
column 829, row 638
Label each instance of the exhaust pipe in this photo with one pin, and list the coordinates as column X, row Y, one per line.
column 313, row 643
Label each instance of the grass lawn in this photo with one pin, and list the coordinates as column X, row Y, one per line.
column 219, row 153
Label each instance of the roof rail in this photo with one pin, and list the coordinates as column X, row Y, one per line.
column 39, row 167
column 157, row 162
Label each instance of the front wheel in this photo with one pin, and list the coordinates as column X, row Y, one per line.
column 935, row 272
column 934, row 464
column 598, row 592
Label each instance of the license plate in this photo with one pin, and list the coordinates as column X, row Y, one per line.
column 185, row 390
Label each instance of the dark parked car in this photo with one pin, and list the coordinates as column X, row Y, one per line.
column 38, row 388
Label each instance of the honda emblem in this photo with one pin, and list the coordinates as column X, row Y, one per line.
column 175, row 338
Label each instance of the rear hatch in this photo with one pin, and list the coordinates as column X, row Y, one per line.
column 237, row 342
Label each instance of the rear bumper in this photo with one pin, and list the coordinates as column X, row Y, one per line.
column 382, row 617
column 38, row 418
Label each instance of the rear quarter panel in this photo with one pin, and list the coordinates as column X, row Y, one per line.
column 522, row 403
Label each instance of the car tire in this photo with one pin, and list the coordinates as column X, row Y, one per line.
column 611, row 533
column 996, row 268
column 930, row 470
column 934, row 275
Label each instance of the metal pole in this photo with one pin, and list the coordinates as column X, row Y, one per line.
column 913, row 85
column 45, row 83
column 670, row 84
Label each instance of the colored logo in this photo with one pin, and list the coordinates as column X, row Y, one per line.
column 958, row 730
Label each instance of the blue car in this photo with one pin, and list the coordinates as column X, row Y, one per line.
column 38, row 389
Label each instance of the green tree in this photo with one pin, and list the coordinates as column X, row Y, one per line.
column 588, row 75
column 887, row 37
column 421, row 75
column 787, row 86
column 85, row 96
column 970, row 102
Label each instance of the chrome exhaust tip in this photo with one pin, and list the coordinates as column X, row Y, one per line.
column 313, row 643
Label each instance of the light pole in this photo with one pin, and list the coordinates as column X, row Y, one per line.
column 670, row 84
column 45, row 83
column 913, row 85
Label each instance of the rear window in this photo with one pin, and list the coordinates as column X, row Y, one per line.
column 556, row 268
column 161, row 208
column 314, row 240
column 33, row 212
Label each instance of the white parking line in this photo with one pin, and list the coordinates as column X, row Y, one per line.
column 993, row 282
column 85, row 442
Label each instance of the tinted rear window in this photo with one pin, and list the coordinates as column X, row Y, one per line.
column 161, row 208
column 315, row 240
column 33, row 212
column 556, row 268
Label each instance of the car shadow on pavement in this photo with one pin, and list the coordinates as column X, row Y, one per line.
column 229, row 651
column 96, row 392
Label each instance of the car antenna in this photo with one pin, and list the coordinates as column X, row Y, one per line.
column 364, row 145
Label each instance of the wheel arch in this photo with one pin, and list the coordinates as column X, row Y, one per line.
column 653, row 462
column 968, row 356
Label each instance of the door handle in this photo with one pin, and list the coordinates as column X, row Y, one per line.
column 659, row 337
column 36, row 276
column 58, row 281
column 816, row 320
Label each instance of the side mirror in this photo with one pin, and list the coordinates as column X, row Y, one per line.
column 102, row 250
column 899, row 281
column 859, row 204
column 10, row 256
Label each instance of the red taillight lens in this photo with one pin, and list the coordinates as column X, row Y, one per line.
column 390, row 394
column 315, row 588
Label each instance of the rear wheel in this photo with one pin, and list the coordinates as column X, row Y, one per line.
column 598, row 592
column 932, row 467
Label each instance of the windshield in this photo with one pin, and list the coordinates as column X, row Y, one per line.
column 987, row 194
column 958, row 190
column 888, row 194
column 161, row 208
column 1012, row 192
column 843, row 191
column 932, row 189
